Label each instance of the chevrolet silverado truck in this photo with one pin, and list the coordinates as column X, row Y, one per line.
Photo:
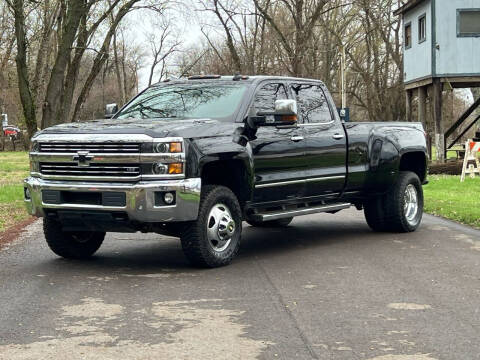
column 194, row 158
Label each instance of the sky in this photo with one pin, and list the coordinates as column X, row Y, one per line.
column 142, row 22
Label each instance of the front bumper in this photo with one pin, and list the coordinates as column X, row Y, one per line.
column 140, row 198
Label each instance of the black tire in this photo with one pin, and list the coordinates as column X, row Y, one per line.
column 71, row 245
column 388, row 213
column 271, row 223
column 197, row 246
column 374, row 214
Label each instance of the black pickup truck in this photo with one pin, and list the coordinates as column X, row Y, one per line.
column 196, row 157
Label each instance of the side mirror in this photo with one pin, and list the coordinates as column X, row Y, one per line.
column 285, row 114
column 110, row 110
column 286, row 107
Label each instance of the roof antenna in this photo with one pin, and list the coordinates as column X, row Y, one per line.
column 237, row 77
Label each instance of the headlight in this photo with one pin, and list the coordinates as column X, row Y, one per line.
column 172, row 147
column 159, row 168
column 162, row 148
column 34, row 146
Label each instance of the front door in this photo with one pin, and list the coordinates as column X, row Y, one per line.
column 278, row 153
column 326, row 143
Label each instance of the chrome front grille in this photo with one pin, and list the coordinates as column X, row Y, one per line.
column 93, row 147
column 97, row 170
column 102, row 157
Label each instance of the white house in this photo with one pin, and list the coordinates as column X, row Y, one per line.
column 441, row 46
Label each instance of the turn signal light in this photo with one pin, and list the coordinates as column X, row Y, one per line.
column 175, row 168
column 289, row 118
column 176, row 147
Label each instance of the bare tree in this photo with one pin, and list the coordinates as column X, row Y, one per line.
column 162, row 47
column 102, row 55
column 25, row 91
column 304, row 15
column 63, row 31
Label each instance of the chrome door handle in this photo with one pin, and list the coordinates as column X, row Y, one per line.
column 338, row 136
column 296, row 138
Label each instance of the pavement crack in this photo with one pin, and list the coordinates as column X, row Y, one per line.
column 274, row 292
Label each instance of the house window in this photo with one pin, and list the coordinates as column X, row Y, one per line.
column 468, row 22
column 422, row 28
column 408, row 36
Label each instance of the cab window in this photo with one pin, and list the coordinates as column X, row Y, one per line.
column 312, row 104
column 266, row 96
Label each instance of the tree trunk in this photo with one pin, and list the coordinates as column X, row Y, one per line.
column 54, row 98
column 117, row 70
column 28, row 103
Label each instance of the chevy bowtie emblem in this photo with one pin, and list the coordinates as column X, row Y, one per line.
column 83, row 158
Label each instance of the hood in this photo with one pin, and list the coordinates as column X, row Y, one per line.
column 191, row 128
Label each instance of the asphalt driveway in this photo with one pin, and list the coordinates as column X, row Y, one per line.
column 324, row 288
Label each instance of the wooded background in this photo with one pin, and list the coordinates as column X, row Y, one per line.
column 63, row 60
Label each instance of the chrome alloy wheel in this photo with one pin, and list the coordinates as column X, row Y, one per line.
column 220, row 227
column 410, row 204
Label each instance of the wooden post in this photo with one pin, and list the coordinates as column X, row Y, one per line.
column 437, row 118
column 2, row 134
column 408, row 103
column 422, row 106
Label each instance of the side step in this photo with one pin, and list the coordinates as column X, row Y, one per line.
column 279, row 214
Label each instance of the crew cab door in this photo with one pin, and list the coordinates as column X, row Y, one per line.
column 326, row 143
column 278, row 153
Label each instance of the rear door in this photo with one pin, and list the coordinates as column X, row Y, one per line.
column 278, row 153
column 326, row 143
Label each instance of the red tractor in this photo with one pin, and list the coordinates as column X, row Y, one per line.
column 14, row 134
column 11, row 131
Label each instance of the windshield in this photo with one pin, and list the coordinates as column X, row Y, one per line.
column 186, row 101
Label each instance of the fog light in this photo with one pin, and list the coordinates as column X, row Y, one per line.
column 169, row 198
column 159, row 168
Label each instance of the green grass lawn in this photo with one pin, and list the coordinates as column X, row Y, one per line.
column 446, row 196
column 14, row 168
column 450, row 153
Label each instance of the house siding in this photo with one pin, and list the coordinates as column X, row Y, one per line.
column 456, row 56
column 418, row 58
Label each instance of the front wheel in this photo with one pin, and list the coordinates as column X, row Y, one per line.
column 71, row 244
column 401, row 209
column 213, row 240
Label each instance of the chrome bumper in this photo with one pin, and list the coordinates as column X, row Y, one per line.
column 140, row 198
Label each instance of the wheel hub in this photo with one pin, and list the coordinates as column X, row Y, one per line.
column 220, row 227
column 410, row 204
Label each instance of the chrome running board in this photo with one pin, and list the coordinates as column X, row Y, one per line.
column 274, row 215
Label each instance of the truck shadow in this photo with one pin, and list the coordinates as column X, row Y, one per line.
column 146, row 254
column 300, row 236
